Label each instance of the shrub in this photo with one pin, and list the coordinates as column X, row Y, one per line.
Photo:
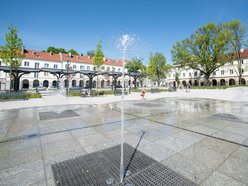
column 73, row 93
column 18, row 95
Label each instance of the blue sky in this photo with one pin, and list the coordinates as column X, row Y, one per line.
column 155, row 24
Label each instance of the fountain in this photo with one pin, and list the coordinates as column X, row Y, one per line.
column 125, row 41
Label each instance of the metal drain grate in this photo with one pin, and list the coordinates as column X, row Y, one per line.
column 102, row 168
column 54, row 115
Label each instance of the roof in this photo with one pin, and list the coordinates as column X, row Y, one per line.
column 32, row 54
column 244, row 54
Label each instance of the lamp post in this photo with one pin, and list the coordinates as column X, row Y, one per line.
column 67, row 78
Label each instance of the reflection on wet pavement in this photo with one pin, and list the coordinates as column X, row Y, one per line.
column 204, row 140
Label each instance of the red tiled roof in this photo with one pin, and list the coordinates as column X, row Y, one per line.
column 31, row 54
column 244, row 54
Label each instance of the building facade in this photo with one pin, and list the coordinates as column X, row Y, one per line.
column 225, row 75
column 39, row 60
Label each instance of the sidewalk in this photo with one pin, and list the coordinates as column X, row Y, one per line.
column 232, row 94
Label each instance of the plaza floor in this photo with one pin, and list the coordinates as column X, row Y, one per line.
column 204, row 140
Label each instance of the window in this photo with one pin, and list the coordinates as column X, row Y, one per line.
column 0, row 63
column 36, row 65
column 45, row 73
column 36, row 75
column 55, row 66
column 74, row 66
column 113, row 68
column 81, row 67
column 242, row 71
column 231, row 63
column 183, row 74
column 222, row 72
column 26, row 64
column 214, row 73
column 103, row 67
column 195, row 73
column 242, row 61
column 119, row 69
column 231, row 71
column 108, row 69
column 190, row 74
column 46, row 65
column 88, row 67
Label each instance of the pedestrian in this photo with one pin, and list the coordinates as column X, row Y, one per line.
column 142, row 94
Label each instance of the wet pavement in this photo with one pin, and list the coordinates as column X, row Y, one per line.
column 204, row 140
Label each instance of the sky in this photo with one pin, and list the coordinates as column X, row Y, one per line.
column 155, row 25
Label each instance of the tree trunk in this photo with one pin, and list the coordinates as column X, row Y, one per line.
column 240, row 77
column 10, row 79
column 206, row 81
column 96, row 83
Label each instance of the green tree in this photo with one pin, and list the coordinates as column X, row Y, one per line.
column 206, row 50
column 11, row 53
column 157, row 67
column 91, row 53
column 72, row 51
column 238, row 41
column 135, row 65
column 55, row 50
column 98, row 60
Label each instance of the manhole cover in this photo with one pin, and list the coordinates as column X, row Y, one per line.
column 226, row 116
column 148, row 104
column 55, row 115
column 102, row 168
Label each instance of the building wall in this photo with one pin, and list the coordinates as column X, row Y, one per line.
column 226, row 73
column 44, row 77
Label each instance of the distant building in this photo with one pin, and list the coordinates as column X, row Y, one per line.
column 225, row 75
column 38, row 60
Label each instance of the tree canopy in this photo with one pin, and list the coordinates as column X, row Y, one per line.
column 55, row 50
column 98, row 60
column 72, row 51
column 237, row 42
column 91, row 53
column 206, row 49
column 157, row 67
column 98, row 57
column 11, row 53
column 135, row 65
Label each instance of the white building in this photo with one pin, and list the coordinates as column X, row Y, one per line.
column 38, row 60
column 225, row 75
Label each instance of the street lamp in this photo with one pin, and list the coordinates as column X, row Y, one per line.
column 67, row 77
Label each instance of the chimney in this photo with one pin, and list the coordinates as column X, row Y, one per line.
column 51, row 53
column 61, row 56
column 23, row 49
column 33, row 52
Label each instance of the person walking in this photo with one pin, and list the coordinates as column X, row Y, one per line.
column 142, row 94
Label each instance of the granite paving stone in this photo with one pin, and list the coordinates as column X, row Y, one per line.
column 235, row 168
column 25, row 139
column 189, row 168
column 219, row 179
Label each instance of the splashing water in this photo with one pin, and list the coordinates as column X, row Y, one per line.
column 125, row 41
